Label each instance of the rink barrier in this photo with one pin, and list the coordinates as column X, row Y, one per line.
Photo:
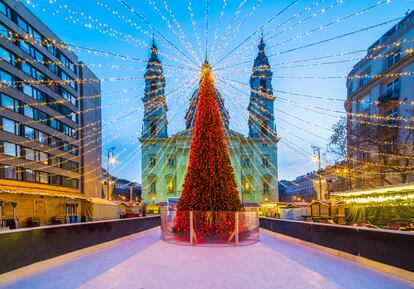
column 393, row 248
column 26, row 246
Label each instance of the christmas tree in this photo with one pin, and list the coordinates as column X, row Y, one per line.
column 209, row 184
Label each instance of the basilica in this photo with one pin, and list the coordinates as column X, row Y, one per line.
column 253, row 157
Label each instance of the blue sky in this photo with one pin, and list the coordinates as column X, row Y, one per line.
column 89, row 22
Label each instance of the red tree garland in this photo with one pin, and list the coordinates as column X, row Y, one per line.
column 209, row 184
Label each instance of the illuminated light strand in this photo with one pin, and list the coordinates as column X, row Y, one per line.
column 378, row 47
column 96, row 52
column 109, row 31
column 228, row 37
column 184, row 36
column 325, row 40
column 219, row 22
column 301, row 105
column 134, row 11
column 194, row 25
column 338, row 20
column 136, row 26
column 173, row 30
column 250, row 45
column 166, row 144
column 336, row 37
column 268, row 22
column 408, row 127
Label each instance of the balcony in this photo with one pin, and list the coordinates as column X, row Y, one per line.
column 389, row 95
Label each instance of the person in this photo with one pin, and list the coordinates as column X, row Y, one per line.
column 144, row 210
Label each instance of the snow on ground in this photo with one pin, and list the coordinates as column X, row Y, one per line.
column 144, row 261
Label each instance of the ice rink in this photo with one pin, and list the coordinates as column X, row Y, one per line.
column 143, row 261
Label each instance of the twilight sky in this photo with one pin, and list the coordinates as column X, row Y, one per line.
column 109, row 26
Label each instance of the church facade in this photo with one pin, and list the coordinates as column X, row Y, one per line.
column 253, row 157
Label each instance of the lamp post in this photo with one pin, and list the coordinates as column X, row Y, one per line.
column 110, row 160
column 317, row 157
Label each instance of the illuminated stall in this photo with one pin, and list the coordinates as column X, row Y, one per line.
column 390, row 207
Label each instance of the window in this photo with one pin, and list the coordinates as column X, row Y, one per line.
column 263, row 86
column 55, row 180
column 393, row 86
column 11, row 149
column 42, row 157
column 11, row 126
column 247, row 185
column 364, row 77
column 365, row 103
column 29, row 132
column 55, row 124
column 153, row 87
column 67, row 62
column 29, row 111
column 171, row 161
column 68, row 79
column 42, row 137
column 265, row 161
column 170, row 180
column 392, row 116
column 246, row 162
column 4, row 31
column 54, row 161
column 391, row 145
column 10, row 103
column 7, row 56
column 265, row 187
column 153, row 127
column 5, row 10
column 69, row 96
column 152, row 160
column 153, row 186
column 69, row 182
column 393, row 57
column 42, row 177
column 29, row 154
column 69, row 165
column 29, row 175
column 364, row 156
column 10, row 172
column 7, row 78
column 263, row 128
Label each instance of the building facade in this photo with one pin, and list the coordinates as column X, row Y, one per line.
column 380, row 110
column 304, row 188
column 50, row 133
column 254, row 157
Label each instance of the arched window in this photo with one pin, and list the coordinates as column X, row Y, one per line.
column 153, row 86
column 152, row 184
column 262, row 86
column 263, row 128
column 266, row 183
column 153, row 127
column 170, row 180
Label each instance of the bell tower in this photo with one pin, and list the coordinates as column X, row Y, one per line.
column 155, row 105
column 261, row 115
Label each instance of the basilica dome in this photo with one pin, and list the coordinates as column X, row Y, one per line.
column 191, row 111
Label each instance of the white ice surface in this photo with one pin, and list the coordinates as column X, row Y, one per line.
column 146, row 262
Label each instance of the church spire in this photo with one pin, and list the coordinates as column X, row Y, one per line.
column 261, row 115
column 155, row 106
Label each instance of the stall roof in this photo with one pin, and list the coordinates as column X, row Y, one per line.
column 378, row 190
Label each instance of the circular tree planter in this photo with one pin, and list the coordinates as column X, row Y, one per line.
column 210, row 227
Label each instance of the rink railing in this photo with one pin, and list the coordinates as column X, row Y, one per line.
column 210, row 227
column 394, row 248
column 26, row 246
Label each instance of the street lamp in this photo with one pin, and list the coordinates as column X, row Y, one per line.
column 110, row 160
column 317, row 158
